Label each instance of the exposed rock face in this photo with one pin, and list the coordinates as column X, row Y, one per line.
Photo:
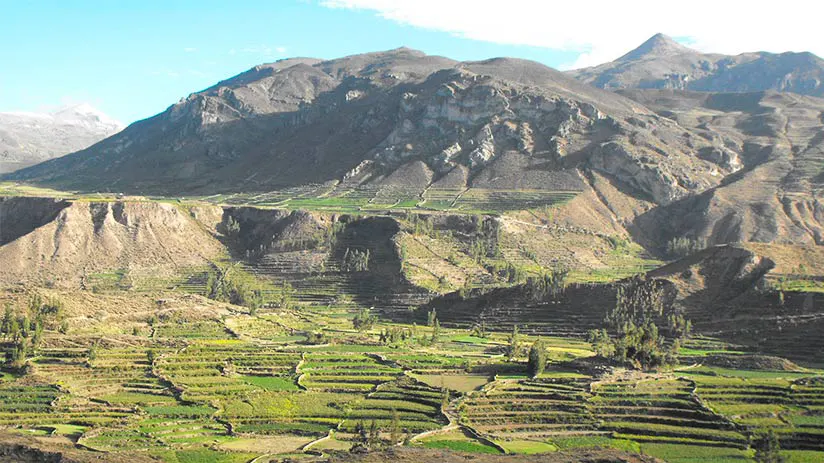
column 29, row 138
column 662, row 63
column 717, row 274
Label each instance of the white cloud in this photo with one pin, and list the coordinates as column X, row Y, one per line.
column 602, row 30
column 266, row 51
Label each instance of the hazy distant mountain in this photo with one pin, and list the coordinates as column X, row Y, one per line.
column 662, row 63
column 30, row 138
column 720, row 167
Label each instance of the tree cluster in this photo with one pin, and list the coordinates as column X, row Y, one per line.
column 226, row 285
column 355, row 260
column 396, row 336
column 638, row 341
column 25, row 332
column 547, row 285
column 681, row 247
column 638, row 301
column 640, row 345
column 364, row 320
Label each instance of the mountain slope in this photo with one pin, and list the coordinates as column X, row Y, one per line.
column 29, row 138
column 647, row 163
column 776, row 140
column 509, row 123
column 662, row 63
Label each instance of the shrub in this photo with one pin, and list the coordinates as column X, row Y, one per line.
column 767, row 448
column 355, row 260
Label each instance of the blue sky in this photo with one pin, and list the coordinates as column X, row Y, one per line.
column 133, row 58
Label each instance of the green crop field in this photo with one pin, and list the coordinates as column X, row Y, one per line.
column 206, row 389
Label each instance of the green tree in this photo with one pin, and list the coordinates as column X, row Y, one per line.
column 362, row 433
column 93, row 351
column 436, row 331
column 374, row 433
column 431, row 316
column 601, row 342
column 768, row 448
column 16, row 358
column 14, row 329
column 364, row 320
column 232, row 227
column 287, row 291
column 513, row 344
column 8, row 316
column 537, row 358
column 395, row 427
column 37, row 335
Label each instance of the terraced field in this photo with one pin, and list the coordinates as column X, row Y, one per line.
column 389, row 197
column 531, row 409
column 207, row 370
column 661, row 410
column 343, row 372
column 305, row 378
column 790, row 403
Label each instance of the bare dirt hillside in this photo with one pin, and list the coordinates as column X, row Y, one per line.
column 396, row 117
column 650, row 164
column 87, row 237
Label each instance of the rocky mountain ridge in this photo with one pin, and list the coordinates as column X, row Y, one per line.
column 663, row 63
column 655, row 164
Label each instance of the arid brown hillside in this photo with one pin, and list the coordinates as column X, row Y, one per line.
column 84, row 238
column 774, row 144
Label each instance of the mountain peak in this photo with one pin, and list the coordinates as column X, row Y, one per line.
column 85, row 114
column 656, row 46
